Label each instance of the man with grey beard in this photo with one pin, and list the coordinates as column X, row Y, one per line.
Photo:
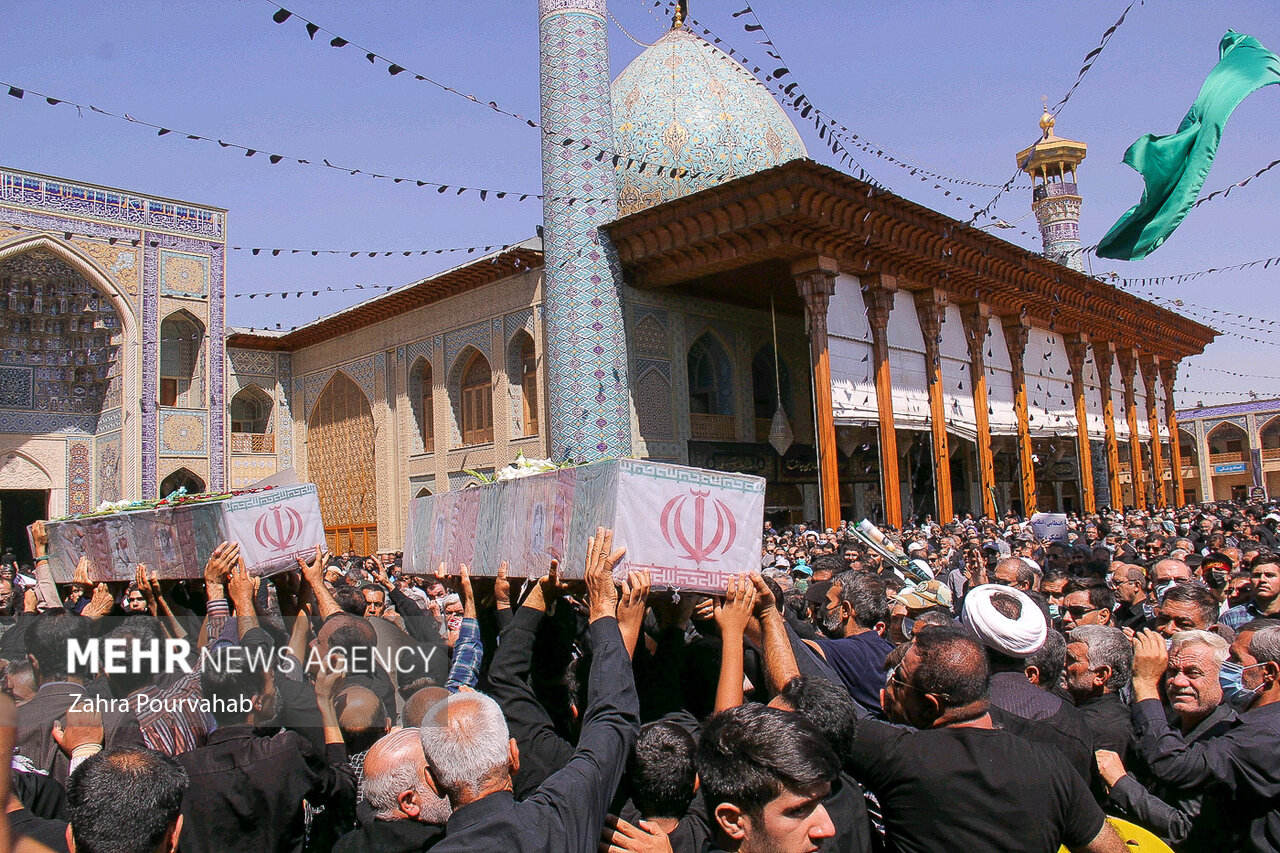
column 402, row 811
column 855, row 620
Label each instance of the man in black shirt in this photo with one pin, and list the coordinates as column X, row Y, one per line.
column 125, row 800
column 472, row 758
column 765, row 775
column 248, row 784
column 401, row 812
column 1246, row 759
column 959, row 783
column 1099, row 665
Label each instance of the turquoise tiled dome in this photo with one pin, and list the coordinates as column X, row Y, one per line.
column 684, row 102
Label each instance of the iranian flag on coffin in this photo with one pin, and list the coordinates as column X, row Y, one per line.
column 690, row 528
column 273, row 527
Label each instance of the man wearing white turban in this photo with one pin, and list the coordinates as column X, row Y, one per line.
column 1012, row 627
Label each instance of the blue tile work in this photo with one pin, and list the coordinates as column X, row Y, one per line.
column 585, row 347
column 478, row 336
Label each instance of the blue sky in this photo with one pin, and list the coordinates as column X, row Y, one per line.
column 955, row 86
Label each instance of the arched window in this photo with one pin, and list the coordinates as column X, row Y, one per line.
column 1271, row 435
column 477, row 401
column 181, row 479
column 1228, row 439
column 251, row 411
column 766, row 378
column 522, row 367
column 182, row 361
column 710, row 378
column 426, row 407
column 424, row 492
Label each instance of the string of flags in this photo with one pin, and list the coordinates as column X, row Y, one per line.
column 1179, row 278
column 1225, row 191
column 1089, row 59
column 884, row 152
column 274, row 252
column 1234, row 373
column 1219, row 315
column 375, row 253
column 250, row 151
column 394, row 69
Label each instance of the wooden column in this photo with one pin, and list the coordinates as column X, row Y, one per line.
column 931, row 309
column 1104, row 356
column 815, row 278
column 877, row 297
column 977, row 323
column 1129, row 376
column 1077, row 352
column 1151, row 376
column 1016, row 331
column 1169, row 376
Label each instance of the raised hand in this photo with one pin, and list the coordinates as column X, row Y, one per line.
column 602, row 595
column 1150, row 660
column 101, row 604
column 739, row 603
column 219, row 566
column 765, row 600
column 81, row 576
column 618, row 836
column 313, row 572
column 468, row 597
column 82, row 727
column 502, row 588
column 631, row 608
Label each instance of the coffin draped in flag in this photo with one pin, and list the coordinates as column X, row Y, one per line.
column 690, row 528
column 274, row 527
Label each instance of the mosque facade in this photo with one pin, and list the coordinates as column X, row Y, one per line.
column 751, row 311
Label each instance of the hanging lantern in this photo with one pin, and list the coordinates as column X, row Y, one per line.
column 780, row 435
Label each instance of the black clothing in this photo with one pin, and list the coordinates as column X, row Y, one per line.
column 1110, row 722
column 51, row 702
column 859, row 660
column 1245, row 759
column 1042, row 717
column 691, row 835
column 846, row 805
column 542, row 750
column 39, row 794
column 50, row 833
column 247, row 788
column 566, row 813
column 972, row 789
column 1196, row 819
column 390, row 836
column 1134, row 616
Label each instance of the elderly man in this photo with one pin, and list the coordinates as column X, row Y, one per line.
column 1086, row 601
column 1017, row 573
column 1099, row 665
column 1133, row 605
column 1191, row 819
column 1264, row 573
column 405, row 812
column 1165, row 574
column 1246, row 760
column 472, row 758
column 1012, row 628
column 957, row 782
column 1186, row 607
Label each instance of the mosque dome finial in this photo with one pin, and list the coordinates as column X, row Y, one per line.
column 1047, row 121
column 685, row 105
column 682, row 11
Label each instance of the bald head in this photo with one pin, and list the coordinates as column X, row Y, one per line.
column 419, row 703
column 396, row 783
column 345, row 631
column 362, row 717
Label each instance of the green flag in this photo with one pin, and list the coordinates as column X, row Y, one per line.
column 1174, row 167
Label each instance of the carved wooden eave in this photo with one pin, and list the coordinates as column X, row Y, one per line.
column 511, row 261
column 802, row 208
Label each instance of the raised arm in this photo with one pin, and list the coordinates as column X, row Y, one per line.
column 732, row 616
column 313, row 573
column 631, row 609
column 779, row 658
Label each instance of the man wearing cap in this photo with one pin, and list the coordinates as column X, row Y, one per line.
column 912, row 603
column 855, row 621
column 1012, row 627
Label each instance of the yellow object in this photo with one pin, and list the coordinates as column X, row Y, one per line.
column 1136, row 838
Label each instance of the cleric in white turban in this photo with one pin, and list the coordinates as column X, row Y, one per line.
column 1012, row 625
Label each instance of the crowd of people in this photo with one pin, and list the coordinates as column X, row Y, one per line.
column 989, row 691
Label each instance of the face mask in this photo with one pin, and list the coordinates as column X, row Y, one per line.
column 1219, row 577
column 1054, row 613
column 1234, row 693
column 1165, row 587
column 454, row 623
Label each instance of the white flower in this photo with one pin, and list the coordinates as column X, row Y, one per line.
column 524, row 467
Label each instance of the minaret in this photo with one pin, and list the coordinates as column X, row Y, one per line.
column 587, row 393
column 1055, row 198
